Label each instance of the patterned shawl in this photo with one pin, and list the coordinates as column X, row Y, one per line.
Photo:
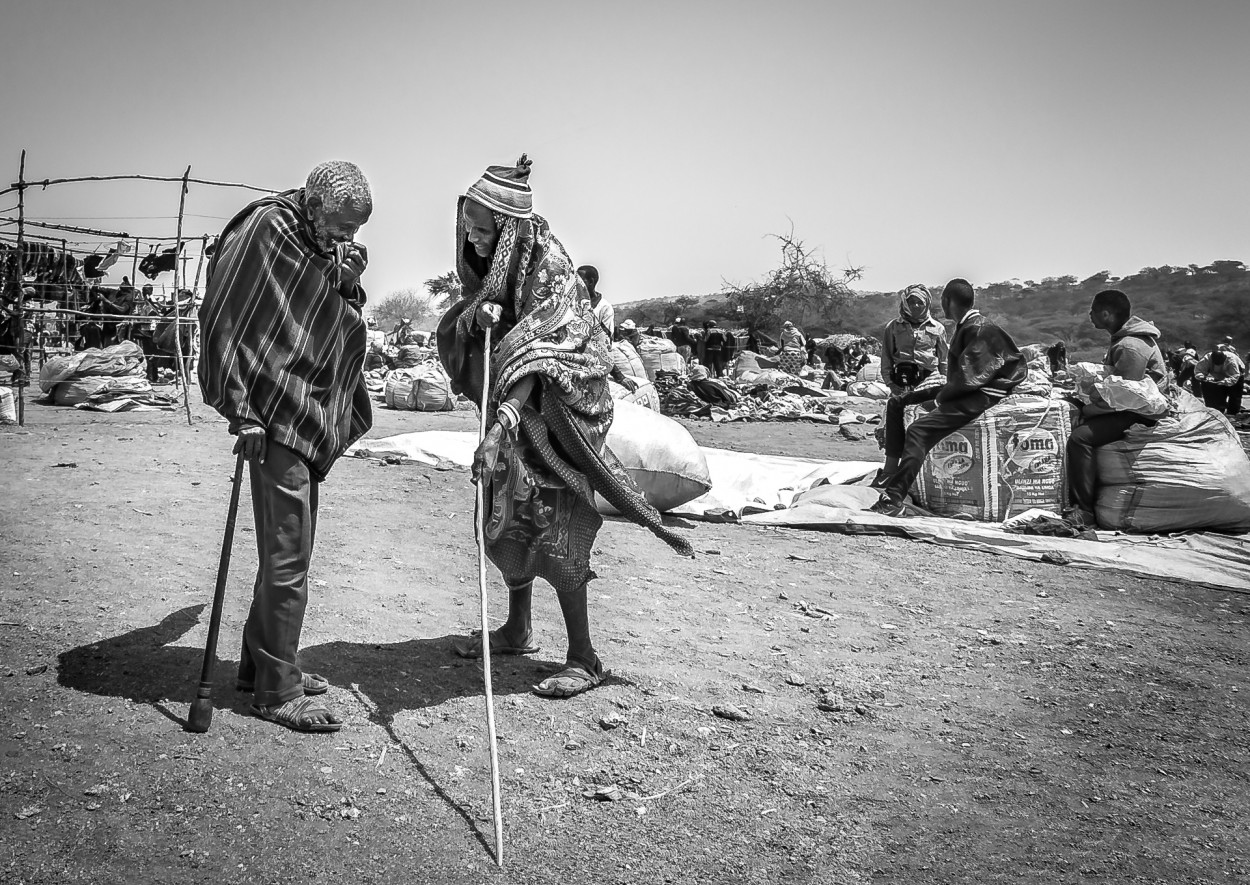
column 549, row 331
column 283, row 348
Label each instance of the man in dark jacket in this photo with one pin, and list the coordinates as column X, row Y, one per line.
column 1134, row 355
column 983, row 366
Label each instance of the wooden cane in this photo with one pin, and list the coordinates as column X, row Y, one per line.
column 480, row 531
column 200, row 716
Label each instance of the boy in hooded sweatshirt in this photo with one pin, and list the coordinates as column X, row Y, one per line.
column 983, row 366
column 1134, row 355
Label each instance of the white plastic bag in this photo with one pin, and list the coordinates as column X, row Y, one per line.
column 1123, row 395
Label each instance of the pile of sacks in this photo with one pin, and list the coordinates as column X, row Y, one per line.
column 110, row 372
column 421, row 388
column 630, row 363
column 1187, row 472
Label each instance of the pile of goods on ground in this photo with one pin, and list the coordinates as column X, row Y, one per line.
column 108, row 379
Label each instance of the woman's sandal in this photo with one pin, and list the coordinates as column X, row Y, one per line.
column 296, row 714
column 572, row 680
column 313, row 684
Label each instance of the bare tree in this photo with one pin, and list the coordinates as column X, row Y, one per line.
column 405, row 303
column 802, row 287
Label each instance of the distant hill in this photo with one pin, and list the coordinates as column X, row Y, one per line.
column 1194, row 303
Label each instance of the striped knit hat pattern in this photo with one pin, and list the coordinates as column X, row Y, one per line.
column 505, row 189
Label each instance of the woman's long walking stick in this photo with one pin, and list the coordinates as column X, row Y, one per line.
column 480, row 531
column 200, row 716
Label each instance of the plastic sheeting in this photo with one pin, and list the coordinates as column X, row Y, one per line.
column 820, row 495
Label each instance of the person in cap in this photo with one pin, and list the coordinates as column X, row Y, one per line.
column 282, row 359
column 983, row 366
column 628, row 331
column 599, row 306
column 913, row 344
column 1133, row 355
column 549, row 410
column 680, row 335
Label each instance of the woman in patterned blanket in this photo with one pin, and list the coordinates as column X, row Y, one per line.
column 544, row 455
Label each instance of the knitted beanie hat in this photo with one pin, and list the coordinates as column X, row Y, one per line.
column 505, row 189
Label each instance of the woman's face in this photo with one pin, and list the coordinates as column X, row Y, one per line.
column 480, row 228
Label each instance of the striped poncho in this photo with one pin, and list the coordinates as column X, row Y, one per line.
column 283, row 346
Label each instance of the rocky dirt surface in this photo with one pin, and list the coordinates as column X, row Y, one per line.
column 787, row 706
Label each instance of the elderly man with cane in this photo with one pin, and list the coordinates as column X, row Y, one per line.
column 282, row 358
column 548, row 413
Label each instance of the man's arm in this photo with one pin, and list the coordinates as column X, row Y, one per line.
column 1130, row 362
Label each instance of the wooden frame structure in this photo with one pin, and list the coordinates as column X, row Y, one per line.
column 23, row 236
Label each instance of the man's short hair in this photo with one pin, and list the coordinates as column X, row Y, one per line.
column 960, row 292
column 338, row 183
column 1218, row 358
column 1114, row 302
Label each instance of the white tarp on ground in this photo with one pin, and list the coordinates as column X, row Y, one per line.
column 745, row 480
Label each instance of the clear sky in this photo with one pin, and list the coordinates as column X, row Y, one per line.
column 989, row 139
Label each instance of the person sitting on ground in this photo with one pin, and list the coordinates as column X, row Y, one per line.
column 793, row 354
column 549, row 411
column 913, row 345
column 1221, row 374
column 404, row 333
column 983, row 366
column 284, row 348
column 599, row 306
column 711, row 390
column 1133, row 355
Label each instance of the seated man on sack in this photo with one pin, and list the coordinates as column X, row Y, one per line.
column 1134, row 355
column 983, row 366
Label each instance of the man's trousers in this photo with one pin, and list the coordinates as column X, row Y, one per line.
column 913, row 445
column 284, row 502
column 1093, row 432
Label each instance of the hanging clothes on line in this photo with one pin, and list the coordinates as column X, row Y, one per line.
column 156, row 263
column 94, row 266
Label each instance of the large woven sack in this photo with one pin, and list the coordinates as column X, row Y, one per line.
column 660, row 455
column 1188, row 472
column 870, row 371
column 653, row 351
column 1010, row 459
column 626, row 359
column 644, row 395
column 8, row 406
column 424, row 388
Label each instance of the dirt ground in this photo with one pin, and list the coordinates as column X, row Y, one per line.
column 957, row 717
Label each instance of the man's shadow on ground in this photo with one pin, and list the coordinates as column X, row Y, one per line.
column 143, row 667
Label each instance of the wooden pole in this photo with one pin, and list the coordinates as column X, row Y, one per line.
column 195, row 292
column 480, row 531
column 134, row 265
column 184, row 179
column 21, row 274
column 182, row 372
